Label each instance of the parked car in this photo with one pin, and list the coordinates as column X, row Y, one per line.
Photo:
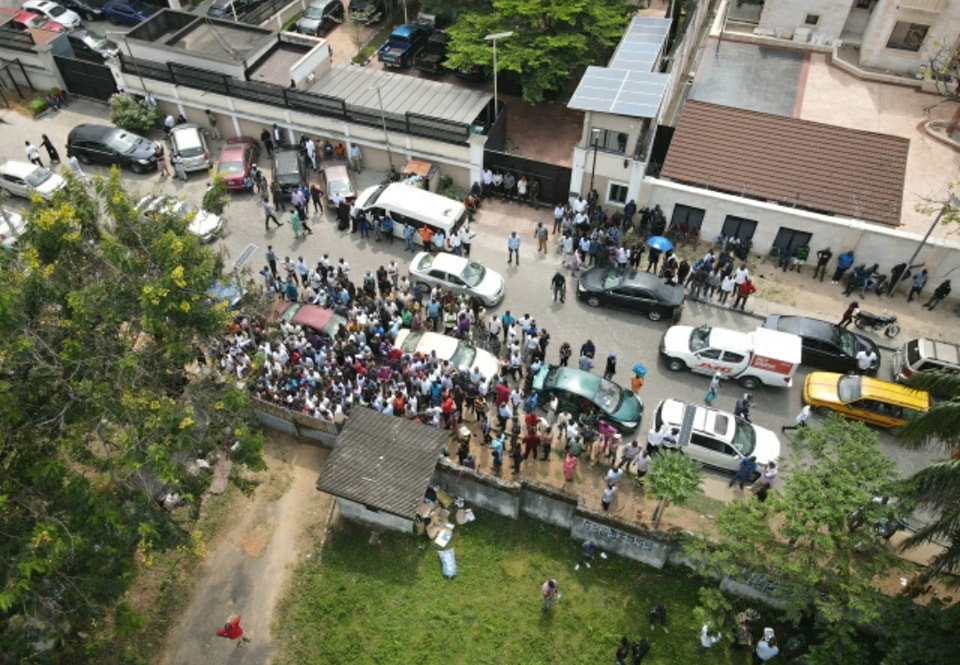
column 12, row 225
column 825, row 345
column 102, row 144
column 404, row 41
column 366, row 12
column 26, row 179
column 336, row 179
column 54, row 12
column 633, row 290
column 459, row 353
column 128, row 12
column 289, row 168
column 317, row 318
column 320, row 17
column 21, row 20
column 921, row 355
column 458, row 274
column 188, row 141
column 229, row 293
column 865, row 398
column 226, row 8
column 88, row 45
column 89, row 10
column 716, row 438
column 429, row 59
column 589, row 395
column 205, row 225
column 237, row 157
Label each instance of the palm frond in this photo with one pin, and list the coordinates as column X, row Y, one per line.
column 938, row 426
column 937, row 485
column 939, row 382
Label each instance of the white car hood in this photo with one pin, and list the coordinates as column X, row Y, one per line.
column 768, row 445
column 677, row 339
column 490, row 285
column 205, row 224
column 52, row 184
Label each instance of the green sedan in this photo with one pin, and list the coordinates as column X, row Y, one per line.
column 585, row 394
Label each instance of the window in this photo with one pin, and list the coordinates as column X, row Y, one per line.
column 863, row 4
column 738, row 227
column 687, row 217
column 812, row 19
column 609, row 140
column 712, row 354
column 907, row 36
column 617, row 194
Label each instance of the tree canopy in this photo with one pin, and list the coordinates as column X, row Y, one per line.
column 103, row 311
column 815, row 538
column 553, row 40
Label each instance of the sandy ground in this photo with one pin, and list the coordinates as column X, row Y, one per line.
column 249, row 569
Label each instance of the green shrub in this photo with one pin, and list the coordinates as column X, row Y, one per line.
column 38, row 106
column 133, row 114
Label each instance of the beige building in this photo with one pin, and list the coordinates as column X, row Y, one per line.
column 898, row 36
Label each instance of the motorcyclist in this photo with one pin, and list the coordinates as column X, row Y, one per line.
column 559, row 284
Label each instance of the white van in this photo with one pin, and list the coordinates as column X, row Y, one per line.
column 412, row 205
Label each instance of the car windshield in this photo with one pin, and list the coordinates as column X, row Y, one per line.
column 847, row 341
column 700, row 338
column 425, row 261
column 608, row 396
column 744, row 437
column 463, row 356
column 848, row 388
column 56, row 10
column 473, row 273
column 313, row 12
column 95, row 41
column 37, row 177
column 122, row 142
column 611, row 279
column 339, row 187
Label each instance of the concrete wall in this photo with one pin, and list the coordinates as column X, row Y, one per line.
column 357, row 511
column 548, row 504
column 497, row 496
column 788, row 15
column 944, row 27
column 622, row 539
column 870, row 242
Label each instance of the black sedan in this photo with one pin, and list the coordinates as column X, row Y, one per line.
column 102, row 144
column 824, row 344
column 633, row 290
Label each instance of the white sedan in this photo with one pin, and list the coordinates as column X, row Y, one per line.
column 458, row 274
column 25, row 179
column 55, row 12
column 205, row 225
column 717, row 438
column 460, row 354
column 12, row 225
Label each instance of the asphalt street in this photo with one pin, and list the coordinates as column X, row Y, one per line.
column 632, row 337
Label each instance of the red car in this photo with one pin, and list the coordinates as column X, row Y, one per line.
column 24, row 20
column 237, row 157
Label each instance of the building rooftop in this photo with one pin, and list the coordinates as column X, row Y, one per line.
column 628, row 85
column 357, row 86
column 383, row 462
column 204, row 37
column 810, row 165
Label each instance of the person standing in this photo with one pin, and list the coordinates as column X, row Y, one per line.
column 513, row 248
column 919, row 281
column 801, row 419
column 51, row 150
column 559, row 286
column 744, row 289
column 356, row 158
column 272, row 260
column 277, row 135
column 848, row 314
column 713, row 390
column 268, row 214
column 212, row 120
column 33, row 154
column 541, row 234
column 745, row 471
column 550, row 590
column 941, row 292
column 232, row 630
column 823, row 258
column 767, row 648
column 267, row 141
column 865, row 361
column 726, row 288
column 611, row 367
column 569, row 466
column 297, row 224
column 844, row 261
column 707, row 638
column 766, row 481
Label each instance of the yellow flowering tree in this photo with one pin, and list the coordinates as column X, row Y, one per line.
column 103, row 312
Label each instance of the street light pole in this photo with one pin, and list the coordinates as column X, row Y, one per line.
column 493, row 38
column 383, row 121
column 952, row 203
column 595, row 139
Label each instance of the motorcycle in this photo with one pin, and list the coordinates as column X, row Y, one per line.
column 886, row 322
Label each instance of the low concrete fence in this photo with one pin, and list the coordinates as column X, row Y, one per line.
column 308, row 428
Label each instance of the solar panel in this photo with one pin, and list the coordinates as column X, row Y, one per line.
column 619, row 91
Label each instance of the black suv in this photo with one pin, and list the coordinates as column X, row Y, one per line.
column 289, row 168
column 100, row 144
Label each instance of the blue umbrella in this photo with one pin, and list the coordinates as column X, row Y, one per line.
column 660, row 243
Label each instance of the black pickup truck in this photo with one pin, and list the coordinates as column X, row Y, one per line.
column 429, row 59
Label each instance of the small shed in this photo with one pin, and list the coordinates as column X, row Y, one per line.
column 381, row 467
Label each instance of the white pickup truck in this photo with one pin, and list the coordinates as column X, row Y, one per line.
column 760, row 357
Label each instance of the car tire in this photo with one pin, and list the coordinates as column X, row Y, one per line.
column 675, row 364
column 750, row 382
column 823, row 411
column 84, row 158
column 593, row 301
column 137, row 168
column 654, row 315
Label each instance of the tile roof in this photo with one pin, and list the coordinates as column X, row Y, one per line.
column 383, row 462
column 797, row 163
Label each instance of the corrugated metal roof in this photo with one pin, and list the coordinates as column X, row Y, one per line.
column 835, row 170
column 384, row 462
column 403, row 94
column 628, row 85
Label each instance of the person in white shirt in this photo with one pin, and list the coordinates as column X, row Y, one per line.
column 741, row 275
column 865, row 361
column 356, row 158
column 708, row 638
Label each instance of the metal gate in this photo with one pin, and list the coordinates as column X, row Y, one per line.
column 554, row 179
column 86, row 79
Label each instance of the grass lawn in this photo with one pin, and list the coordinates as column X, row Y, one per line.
column 389, row 603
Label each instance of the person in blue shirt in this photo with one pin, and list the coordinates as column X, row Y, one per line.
column 507, row 320
column 408, row 232
column 496, row 447
column 746, row 471
column 844, row 261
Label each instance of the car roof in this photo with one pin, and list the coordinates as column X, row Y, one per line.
column 894, row 393
column 572, row 380
column 336, row 172
column 89, row 131
column 713, row 422
column 730, row 340
column 18, row 168
column 807, row 327
column 449, row 262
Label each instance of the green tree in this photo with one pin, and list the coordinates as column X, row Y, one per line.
column 215, row 199
column 133, row 114
column 553, row 40
column 814, row 539
column 673, row 478
column 102, row 314
column 937, row 487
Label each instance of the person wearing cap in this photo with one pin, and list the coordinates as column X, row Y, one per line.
column 742, row 407
column 611, row 368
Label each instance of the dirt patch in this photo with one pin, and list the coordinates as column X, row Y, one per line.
column 255, row 541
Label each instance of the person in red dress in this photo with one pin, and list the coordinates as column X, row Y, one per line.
column 232, row 630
